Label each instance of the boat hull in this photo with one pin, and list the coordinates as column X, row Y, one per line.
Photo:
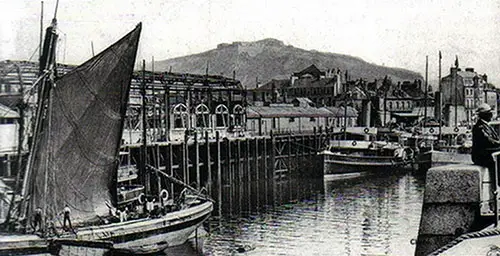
column 342, row 164
column 150, row 235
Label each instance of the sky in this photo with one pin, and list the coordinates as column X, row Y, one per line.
column 393, row 33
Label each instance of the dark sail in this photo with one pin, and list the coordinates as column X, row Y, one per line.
column 76, row 158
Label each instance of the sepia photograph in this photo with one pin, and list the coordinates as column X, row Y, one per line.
column 219, row 127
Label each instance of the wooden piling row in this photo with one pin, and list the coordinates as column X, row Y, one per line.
column 241, row 173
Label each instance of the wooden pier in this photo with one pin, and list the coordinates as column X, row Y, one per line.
column 241, row 167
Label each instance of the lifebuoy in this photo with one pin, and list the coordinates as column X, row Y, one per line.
column 366, row 130
column 431, row 130
column 164, row 194
column 354, row 143
column 142, row 198
column 342, row 129
column 456, row 129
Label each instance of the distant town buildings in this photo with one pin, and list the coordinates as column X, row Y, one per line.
column 465, row 90
column 189, row 106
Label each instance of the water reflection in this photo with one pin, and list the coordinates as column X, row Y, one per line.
column 361, row 215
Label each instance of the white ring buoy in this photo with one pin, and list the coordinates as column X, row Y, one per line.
column 456, row 129
column 354, row 143
column 431, row 130
column 164, row 194
column 342, row 129
column 366, row 130
column 142, row 198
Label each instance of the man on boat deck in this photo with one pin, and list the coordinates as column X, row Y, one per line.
column 38, row 219
column 485, row 140
column 67, row 212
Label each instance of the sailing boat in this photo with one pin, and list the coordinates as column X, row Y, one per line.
column 74, row 164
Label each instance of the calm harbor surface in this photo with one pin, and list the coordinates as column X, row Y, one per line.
column 365, row 215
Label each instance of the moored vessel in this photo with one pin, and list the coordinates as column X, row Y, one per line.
column 76, row 189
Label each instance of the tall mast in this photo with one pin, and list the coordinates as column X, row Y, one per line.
column 456, row 91
column 144, row 127
column 41, row 33
column 425, row 87
column 439, row 112
column 46, row 71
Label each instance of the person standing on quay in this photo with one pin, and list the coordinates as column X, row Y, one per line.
column 485, row 140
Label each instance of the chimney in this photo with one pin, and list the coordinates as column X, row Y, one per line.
column 485, row 78
column 476, row 81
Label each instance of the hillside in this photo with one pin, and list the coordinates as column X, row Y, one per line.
column 271, row 59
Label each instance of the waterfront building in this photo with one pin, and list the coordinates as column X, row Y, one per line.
column 403, row 103
column 462, row 92
column 274, row 91
column 299, row 116
column 180, row 105
column 322, row 87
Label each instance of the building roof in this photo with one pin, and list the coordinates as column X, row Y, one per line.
column 300, row 101
column 6, row 112
column 286, row 110
column 315, row 83
column 340, row 111
column 313, row 70
column 277, row 83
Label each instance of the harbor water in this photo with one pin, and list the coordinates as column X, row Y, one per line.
column 366, row 215
column 360, row 215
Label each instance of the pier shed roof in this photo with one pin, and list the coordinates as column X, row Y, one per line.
column 286, row 110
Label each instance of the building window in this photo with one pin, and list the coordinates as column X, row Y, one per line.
column 221, row 116
column 273, row 123
column 181, row 115
column 291, row 120
column 239, row 115
column 312, row 119
column 202, row 116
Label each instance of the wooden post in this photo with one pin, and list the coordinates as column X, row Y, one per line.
column 209, row 165
column 272, row 169
column 170, row 165
column 219, row 179
column 256, row 170
column 230, row 174
column 158, row 181
column 240, row 174
column 197, row 160
column 167, row 111
column 185, row 161
column 247, row 169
